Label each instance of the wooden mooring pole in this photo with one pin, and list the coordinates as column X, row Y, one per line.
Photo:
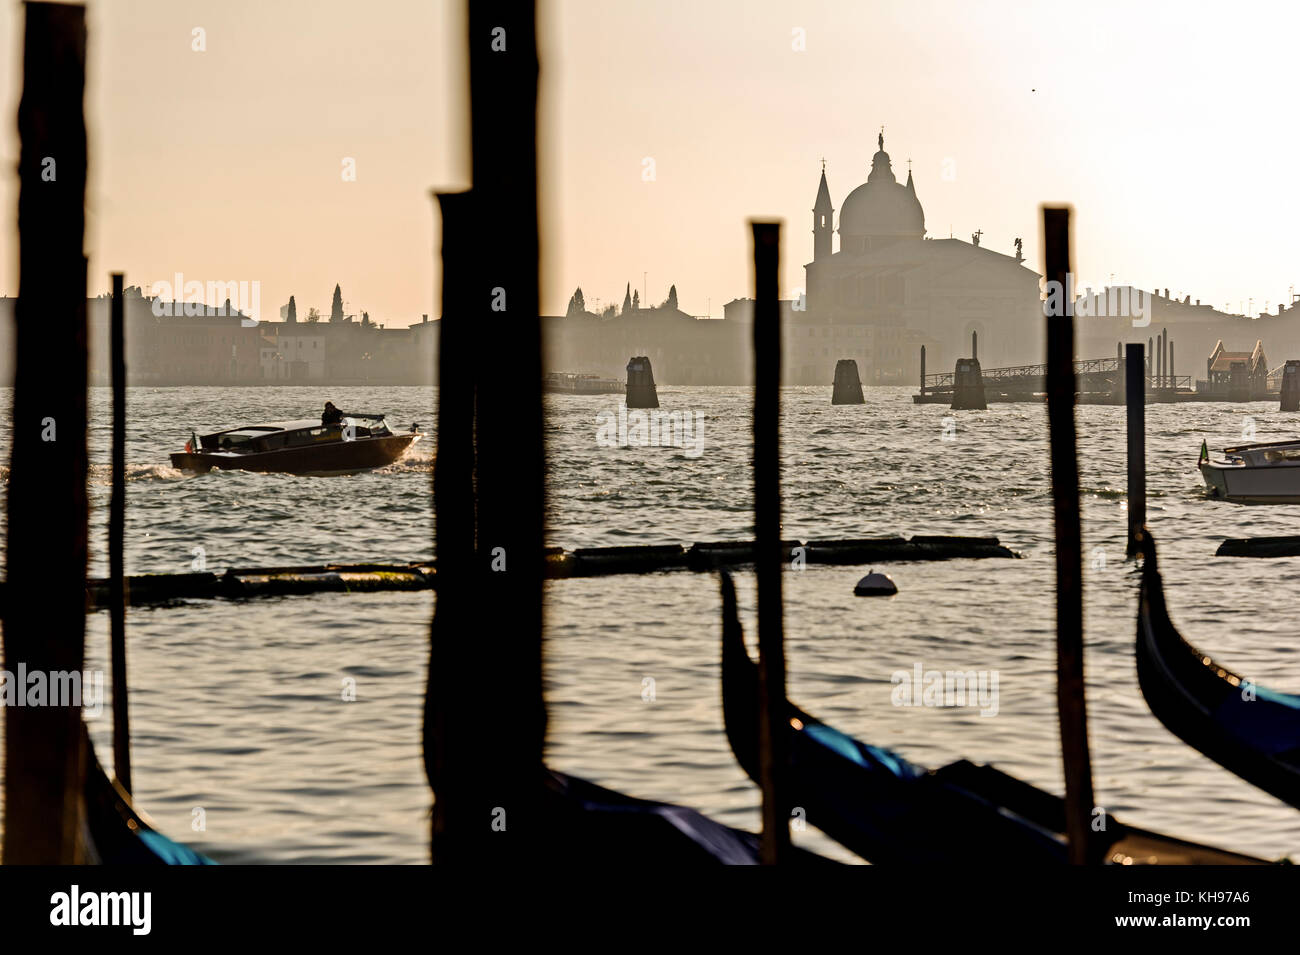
column 1071, row 704
column 485, row 680
column 1136, row 405
column 116, row 543
column 45, row 558
column 768, row 563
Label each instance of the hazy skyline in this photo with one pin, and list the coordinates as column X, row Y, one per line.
column 1159, row 123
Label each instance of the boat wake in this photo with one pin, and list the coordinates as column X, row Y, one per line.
column 418, row 460
column 101, row 475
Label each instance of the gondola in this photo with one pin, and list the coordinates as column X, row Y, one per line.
column 118, row 833
column 1247, row 729
column 889, row 810
column 595, row 826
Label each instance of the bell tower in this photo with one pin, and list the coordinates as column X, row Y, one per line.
column 823, row 217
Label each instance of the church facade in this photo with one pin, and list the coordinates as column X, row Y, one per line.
column 888, row 289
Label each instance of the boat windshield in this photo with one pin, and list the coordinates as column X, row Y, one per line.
column 371, row 424
column 1282, row 454
column 237, row 439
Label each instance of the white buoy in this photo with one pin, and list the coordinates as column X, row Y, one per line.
column 875, row 585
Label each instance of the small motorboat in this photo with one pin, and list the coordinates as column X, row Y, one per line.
column 359, row 442
column 567, row 383
column 1266, row 473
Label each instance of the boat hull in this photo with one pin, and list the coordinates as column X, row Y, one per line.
column 323, row 460
column 1249, row 730
column 888, row 810
column 1242, row 484
column 118, row 833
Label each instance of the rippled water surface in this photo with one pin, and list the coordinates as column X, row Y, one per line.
column 237, row 707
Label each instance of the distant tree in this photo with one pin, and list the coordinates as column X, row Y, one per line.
column 336, row 309
column 313, row 315
column 577, row 304
column 627, row 298
column 610, row 311
column 292, row 314
column 636, row 300
column 365, row 319
column 671, row 300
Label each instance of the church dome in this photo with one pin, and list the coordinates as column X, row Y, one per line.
column 881, row 206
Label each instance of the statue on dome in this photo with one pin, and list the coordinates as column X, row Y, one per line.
column 881, row 139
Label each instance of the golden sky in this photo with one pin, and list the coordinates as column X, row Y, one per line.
column 1165, row 124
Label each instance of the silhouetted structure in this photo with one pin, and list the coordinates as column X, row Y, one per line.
column 1071, row 703
column 641, row 392
column 1291, row 386
column 768, row 557
column 116, row 546
column 968, row 386
column 46, row 547
column 847, row 389
column 483, row 737
column 1136, row 410
column 1237, row 376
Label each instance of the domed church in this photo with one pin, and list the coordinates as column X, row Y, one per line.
column 889, row 289
column 879, row 212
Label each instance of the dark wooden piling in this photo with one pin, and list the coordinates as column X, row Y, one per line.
column 922, row 371
column 448, row 742
column 1136, row 405
column 486, row 719
column 1071, row 703
column 1290, row 386
column 46, row 548
column 968, row 386
column 116, row 543
column 1160, row 361
column 640, row 387
column 847, row 388
column 775, row 848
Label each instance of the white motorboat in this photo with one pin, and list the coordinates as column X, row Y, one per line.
column 1254, row 473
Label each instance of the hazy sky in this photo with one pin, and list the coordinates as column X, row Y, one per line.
column 1167, row 125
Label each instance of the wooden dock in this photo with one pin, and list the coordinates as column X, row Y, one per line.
column 1100, row 381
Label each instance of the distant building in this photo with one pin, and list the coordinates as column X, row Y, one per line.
column 227, row 348
column 271, row 359
column 889, row 289
column 1237, row 376
column 683, row 349
column 884, row 293
column 302, row 347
